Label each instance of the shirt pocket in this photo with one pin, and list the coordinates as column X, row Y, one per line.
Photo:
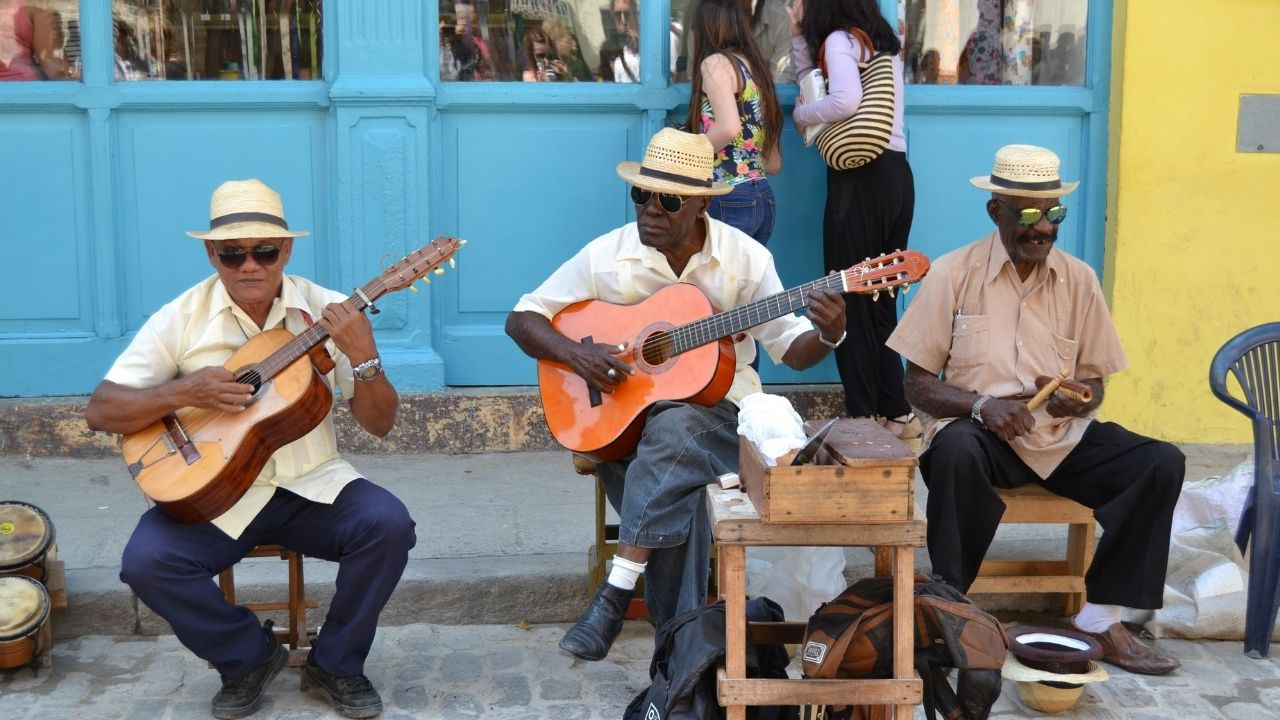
column 970, row 338
column 1066, row 350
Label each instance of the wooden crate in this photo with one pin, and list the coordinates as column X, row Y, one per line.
column 870, row 479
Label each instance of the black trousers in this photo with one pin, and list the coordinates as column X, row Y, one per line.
column 868, row 213
column 1131, row 482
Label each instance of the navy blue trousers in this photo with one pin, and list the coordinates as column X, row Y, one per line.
column 367, row 531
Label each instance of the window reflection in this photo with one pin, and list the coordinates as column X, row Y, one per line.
column 217, row 39
column 769, row 24
column 995, row 42
column 39, row 40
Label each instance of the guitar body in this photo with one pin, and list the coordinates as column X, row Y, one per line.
column 611, row 429
column 230, row 450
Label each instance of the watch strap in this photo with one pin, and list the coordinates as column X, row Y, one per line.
column 833, row 345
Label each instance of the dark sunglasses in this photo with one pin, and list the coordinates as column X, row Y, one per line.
column 621, row 14
column 670, row 203
column 264, row 255
column 1028, row 217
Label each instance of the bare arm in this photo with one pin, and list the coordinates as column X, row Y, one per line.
column 123, row 409
column 720, row 83
column 535, row 336
column 826, row 310
column 374, row 402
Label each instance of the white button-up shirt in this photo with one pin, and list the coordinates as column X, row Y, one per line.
column 203, row 327
column 731, row 268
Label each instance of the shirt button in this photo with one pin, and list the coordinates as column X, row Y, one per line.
column 1019, row 343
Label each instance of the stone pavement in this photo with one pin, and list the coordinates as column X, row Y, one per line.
column 500, row 672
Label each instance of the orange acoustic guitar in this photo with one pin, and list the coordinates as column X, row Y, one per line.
column 196, row 463
column 681, row 349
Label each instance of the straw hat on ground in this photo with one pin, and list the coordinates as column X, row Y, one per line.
column 245, row 209
column 676, row 163
column 1025, row 171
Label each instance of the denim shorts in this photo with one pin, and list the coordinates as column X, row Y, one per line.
column 749, row 208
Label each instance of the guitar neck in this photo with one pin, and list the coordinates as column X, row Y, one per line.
column 731, row 322
column 301, row 344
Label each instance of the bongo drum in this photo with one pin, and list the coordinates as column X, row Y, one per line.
column 26, row 534
column 24, row 611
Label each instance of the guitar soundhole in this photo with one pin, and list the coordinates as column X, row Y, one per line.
column 656, row 349
column 250, row 376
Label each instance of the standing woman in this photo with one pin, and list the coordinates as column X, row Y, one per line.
column 869, row 208
column 734, row 102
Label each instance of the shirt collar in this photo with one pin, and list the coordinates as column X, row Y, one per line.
column 632, row 249
column 290, row 298
column 999, row 257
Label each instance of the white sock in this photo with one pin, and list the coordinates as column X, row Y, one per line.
column 625, row 573
column 1097, row 618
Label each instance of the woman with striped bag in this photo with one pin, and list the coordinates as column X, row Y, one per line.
column 870, row 189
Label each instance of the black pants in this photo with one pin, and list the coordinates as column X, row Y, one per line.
column 1131, row 482
column 868, row 213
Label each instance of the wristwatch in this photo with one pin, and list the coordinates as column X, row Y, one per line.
column 369, row 369
column 832, row 345
column 975, row 412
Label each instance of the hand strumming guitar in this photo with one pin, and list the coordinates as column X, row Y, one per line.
column 599, row 365
column 213, row 388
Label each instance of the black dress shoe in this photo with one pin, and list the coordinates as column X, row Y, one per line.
column 353, row 697
column 242, row 696
column 599, row 626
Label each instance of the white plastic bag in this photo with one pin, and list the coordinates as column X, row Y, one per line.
column 797, row 578
column 771, row 424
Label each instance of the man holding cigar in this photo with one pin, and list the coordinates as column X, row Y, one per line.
column 993, row 322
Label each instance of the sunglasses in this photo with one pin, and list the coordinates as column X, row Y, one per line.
column 234, row 257
column 621, row 15
column 670, row 203
column 1028, row 217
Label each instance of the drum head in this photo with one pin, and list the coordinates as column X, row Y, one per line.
column 24, row 605
column 25, row 534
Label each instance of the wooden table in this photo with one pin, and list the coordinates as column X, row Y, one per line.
column 736, row 525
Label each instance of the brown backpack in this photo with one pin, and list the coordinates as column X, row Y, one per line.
column 852, row 637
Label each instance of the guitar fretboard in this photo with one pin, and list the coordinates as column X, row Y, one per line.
column 743, row 317
column 302, row 343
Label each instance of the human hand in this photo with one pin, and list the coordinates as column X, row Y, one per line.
column 599, row 364
column 1060, row 405
column 1007, row 418
column 215, row 388
column 351, row 331
column 795, row 12
column 826, row 311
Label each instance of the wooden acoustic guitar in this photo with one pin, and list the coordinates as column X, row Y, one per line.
column 681, row 348
column 196, row 463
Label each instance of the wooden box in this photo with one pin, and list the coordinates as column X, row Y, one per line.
column 871, row 479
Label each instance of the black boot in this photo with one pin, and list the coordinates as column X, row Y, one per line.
column 599, row 626
column 242, row 696
column 352, row 697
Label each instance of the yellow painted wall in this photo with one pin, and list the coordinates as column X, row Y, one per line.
column 1193, row 246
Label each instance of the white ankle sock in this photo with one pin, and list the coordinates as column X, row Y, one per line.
column 625, row 573
column 1097, row 618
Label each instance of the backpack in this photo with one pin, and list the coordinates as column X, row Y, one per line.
column 852, row 637
column 687, row 649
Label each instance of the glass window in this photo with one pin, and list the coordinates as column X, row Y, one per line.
column 217, row 39
column 769, row 24
column 540, row 40
column 39, row 40
column 995, row 42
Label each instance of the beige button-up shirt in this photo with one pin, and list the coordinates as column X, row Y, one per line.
column 732, row 269
column 203, row 327
column 989, row 332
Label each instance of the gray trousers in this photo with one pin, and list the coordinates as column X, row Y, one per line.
column 659, row 494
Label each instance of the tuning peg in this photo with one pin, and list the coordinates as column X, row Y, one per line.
column 906, row 289
column 453, row 263
column 426, row 279
column 890, row 292
column 875, row 295
column 438, row 271
column 413, row 289
column 461, row 242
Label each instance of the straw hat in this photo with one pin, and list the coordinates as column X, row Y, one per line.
column 1063, row 661
column 1025, row 171
column 677, row 163
column 245, row 209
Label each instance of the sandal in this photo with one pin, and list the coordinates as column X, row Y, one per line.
column 905, row 427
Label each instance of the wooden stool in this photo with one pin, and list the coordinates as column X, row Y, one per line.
column 297, row 637
column 1032, row 504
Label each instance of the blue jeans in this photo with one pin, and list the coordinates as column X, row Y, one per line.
column 659, row 493
column 750, row 208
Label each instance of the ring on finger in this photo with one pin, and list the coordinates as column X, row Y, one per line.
column 613, row 373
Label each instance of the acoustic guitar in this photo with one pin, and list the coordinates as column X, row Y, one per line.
column 680, row 346
column 196, row 463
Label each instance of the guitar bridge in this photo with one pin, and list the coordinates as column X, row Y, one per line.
column 177, row 440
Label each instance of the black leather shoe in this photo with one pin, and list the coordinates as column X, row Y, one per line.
column 353, row 697
column 599, row 626
column 242, row 696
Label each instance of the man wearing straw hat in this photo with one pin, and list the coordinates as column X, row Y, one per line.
column 995, row 319
column 307, row 498
column 658, row 491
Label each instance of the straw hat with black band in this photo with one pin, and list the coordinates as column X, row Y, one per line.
column 675, row 163
column 245, row 209
column 1025, row 171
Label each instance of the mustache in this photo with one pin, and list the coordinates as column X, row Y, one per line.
column 1038, row 236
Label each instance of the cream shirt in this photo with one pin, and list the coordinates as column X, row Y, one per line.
column 203, row 327
column 732, row 269
column 989, row 332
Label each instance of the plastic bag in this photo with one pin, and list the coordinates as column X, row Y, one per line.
column 797, row 578
column 771, row 424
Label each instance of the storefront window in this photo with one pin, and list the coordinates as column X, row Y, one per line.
column 540, row 40
column 769, row 24
column 995, row 42
column 39, row 40
column 217, row 39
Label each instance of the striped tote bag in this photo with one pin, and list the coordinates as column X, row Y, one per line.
column 862, row 137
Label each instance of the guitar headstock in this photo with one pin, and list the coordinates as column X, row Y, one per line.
column 887, row 272
column 404, row 272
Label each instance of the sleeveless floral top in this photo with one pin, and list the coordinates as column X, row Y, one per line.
column 743, row 158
